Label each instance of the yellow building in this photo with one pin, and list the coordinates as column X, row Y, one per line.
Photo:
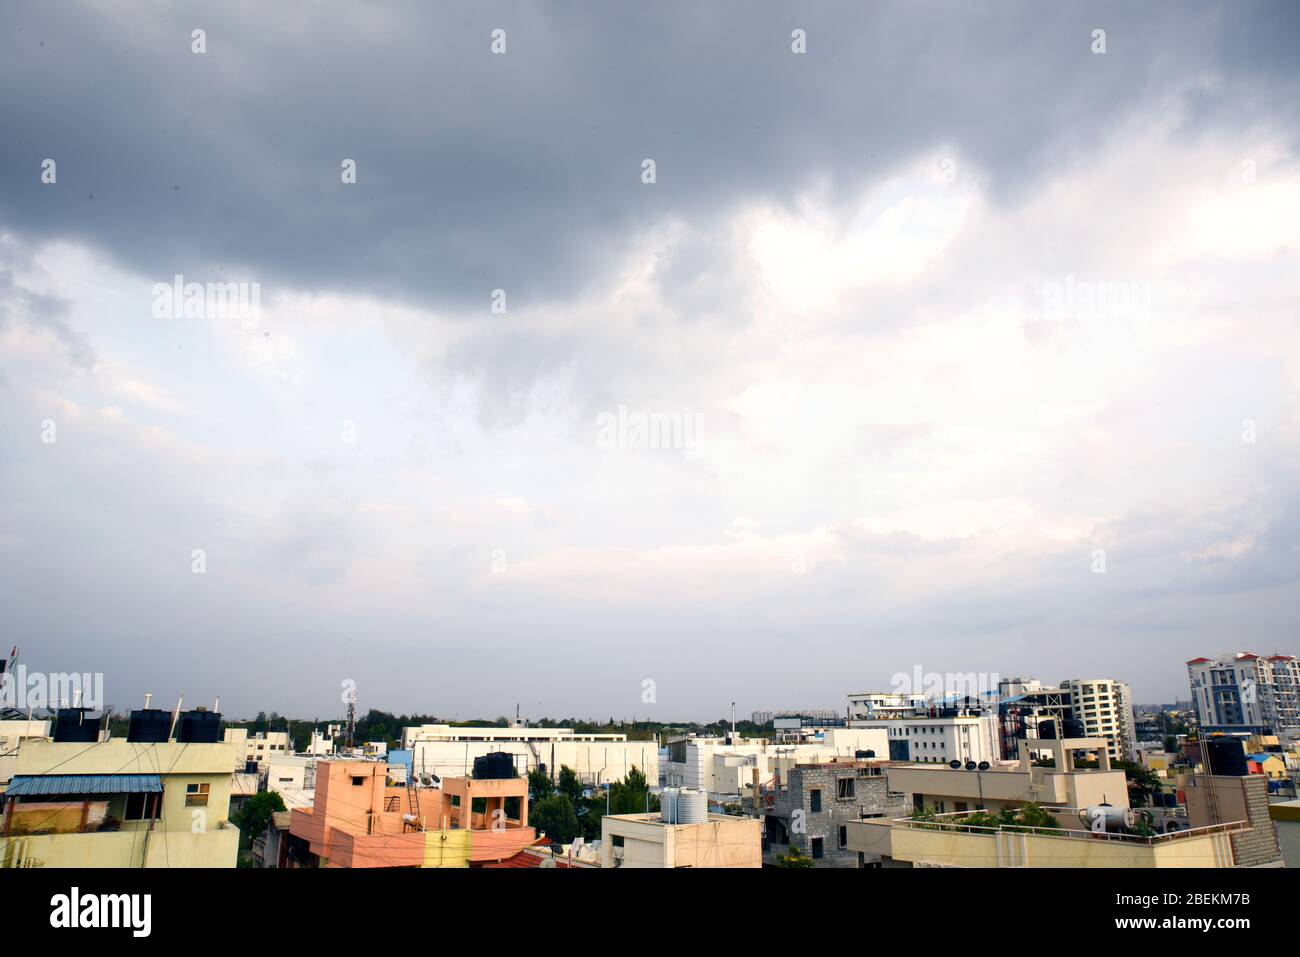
column 946, row 842
column 120, row 803
column 1270, row 764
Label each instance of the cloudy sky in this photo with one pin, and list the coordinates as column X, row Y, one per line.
column 980, row 348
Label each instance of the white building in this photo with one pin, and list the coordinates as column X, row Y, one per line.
column 596, row 758
column 873, row 705
column 293, row 777
column 1105, row 709
column 939, row 736
column 260, row 747
column 726, row 770
column 322, row 744
column 1247, row 693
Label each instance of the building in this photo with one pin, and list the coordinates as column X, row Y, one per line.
column 270, row 849
column 872, row 705
column 358, row 818
column 946, row 790
column 1216, row 798
column 1247, row 693
column 596, row 758
column 812, row 714
column 810, row 806
column 1091, row 824
column 1024, row 706
column 1268, row 764
column 293, row 777
column 120, row 803
column 727, row 770
column 647, row 840
column 1104, row 709
column 937, row 735
column 545, row 854
column 243, row 786
column 947, row 841
column 1286, row 819
column 322, row 744
column 262, row 746
column 13, row 733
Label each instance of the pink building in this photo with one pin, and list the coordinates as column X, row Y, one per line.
column 359, row 820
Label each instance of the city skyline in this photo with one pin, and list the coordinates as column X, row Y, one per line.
column 489, row 354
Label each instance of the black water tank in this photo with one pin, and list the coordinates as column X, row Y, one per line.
column 1225, row 756
column 1047, row 729
column 494, row 766
column 76, row 724
column 1073, row 728
column 149, row 725
column 199, row 726
column 859, row 755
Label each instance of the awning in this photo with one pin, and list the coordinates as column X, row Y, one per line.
column 27, row 785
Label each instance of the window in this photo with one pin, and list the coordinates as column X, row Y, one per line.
column 844, row 836
column 844, row 789
column 196, row 795
column 817, row 851
column 141, row 807
column 815, row 800
column 357, row 781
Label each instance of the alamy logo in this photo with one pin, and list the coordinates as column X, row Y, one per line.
column 1249, row 692
column 629, row 429
column 208, row 300
column 937, row 686
column 74, row 910
column 25, row 690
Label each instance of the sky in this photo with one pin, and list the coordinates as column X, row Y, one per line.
column 965, row 340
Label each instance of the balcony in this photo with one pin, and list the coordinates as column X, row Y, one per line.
column 948, row 842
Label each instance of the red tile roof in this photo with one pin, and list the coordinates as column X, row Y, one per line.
column 525, row 859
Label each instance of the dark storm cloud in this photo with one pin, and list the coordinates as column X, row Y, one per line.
column 518, row 171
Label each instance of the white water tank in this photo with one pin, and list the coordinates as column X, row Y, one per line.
column 683, row 806
column 668, row 805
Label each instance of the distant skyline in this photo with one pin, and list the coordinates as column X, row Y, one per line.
column 645, row 358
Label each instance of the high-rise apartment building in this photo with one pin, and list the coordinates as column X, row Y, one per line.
column 1104, row 707
column 1247, row 693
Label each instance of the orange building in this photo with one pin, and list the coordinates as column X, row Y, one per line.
column 359, row 820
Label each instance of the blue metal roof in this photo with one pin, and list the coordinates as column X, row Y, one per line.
column 24, row 785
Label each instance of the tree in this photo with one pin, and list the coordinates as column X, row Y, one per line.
column 1033, row 815
column 554, row 817
column 1142, row 782
column 794, row 858
column 569, row 785
column 539, row 785
column 255, row 815
column 632, row 794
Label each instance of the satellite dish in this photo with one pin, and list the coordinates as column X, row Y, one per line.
column 984, row 765
column 954, row 764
